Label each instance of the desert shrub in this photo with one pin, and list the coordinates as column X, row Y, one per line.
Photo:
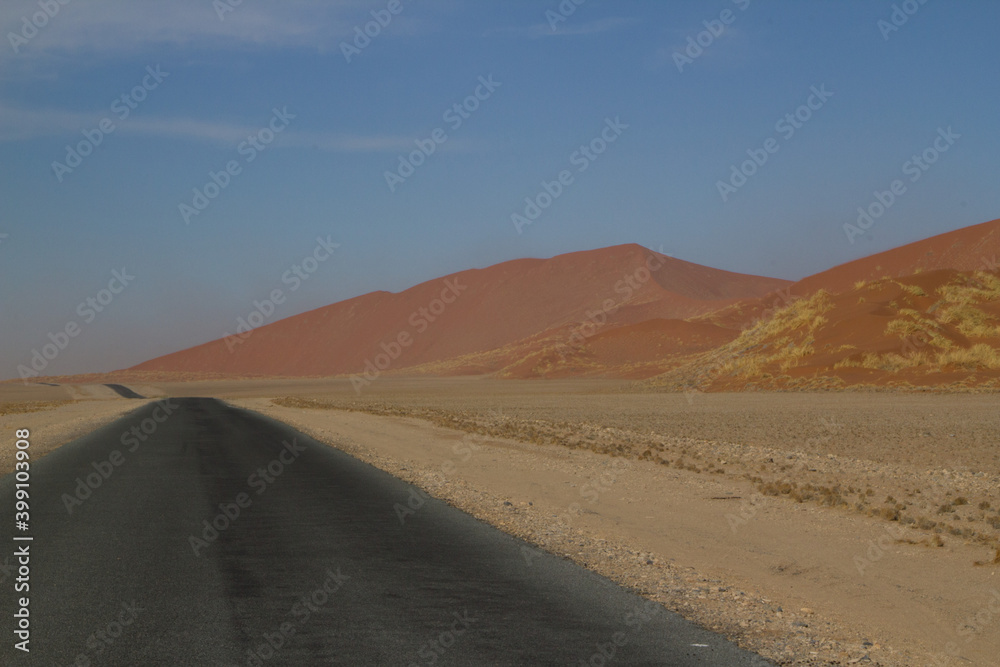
column 890, row 513
column 971, row 321
column 915, row 290
column 960, row 299
column 980, row 355
column 788, row 332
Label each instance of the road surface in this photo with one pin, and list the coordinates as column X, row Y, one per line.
column 123, row 391
column 194, row 533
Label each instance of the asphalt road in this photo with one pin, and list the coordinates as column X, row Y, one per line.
column 123, row 391
column 322, row 559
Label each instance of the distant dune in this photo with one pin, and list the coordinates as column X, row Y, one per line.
column 474, row 311
column 975, row 248
column 925, row 314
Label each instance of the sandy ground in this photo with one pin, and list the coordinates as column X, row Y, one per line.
column 57, row 418
column 813, row 528
column 799, row 582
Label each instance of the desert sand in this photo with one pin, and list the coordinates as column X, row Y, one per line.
column 804, row 581
column 814, row 528
column 55, row 416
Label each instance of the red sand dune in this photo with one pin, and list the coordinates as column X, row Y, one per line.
column 623, row 311
column 474, row 311
column 629, row 351
column 935, row 328
column 974, row 248
column 587, row 348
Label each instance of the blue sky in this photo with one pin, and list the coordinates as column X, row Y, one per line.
column 558, row 79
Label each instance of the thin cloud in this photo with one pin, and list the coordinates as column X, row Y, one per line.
column 564, row 29
column 24, row 124
column 731, row 48
column 114, row 27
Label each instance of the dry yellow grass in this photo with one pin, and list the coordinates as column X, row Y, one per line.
column 33, row 406
column 971, row 321
column 954, row 327
column 913, row 290
column 959, row 307
column 784, row 339
column 915, row 327
column 959, row 301
column 979, row 355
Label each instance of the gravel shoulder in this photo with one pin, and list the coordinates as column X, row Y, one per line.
column 52, row 424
